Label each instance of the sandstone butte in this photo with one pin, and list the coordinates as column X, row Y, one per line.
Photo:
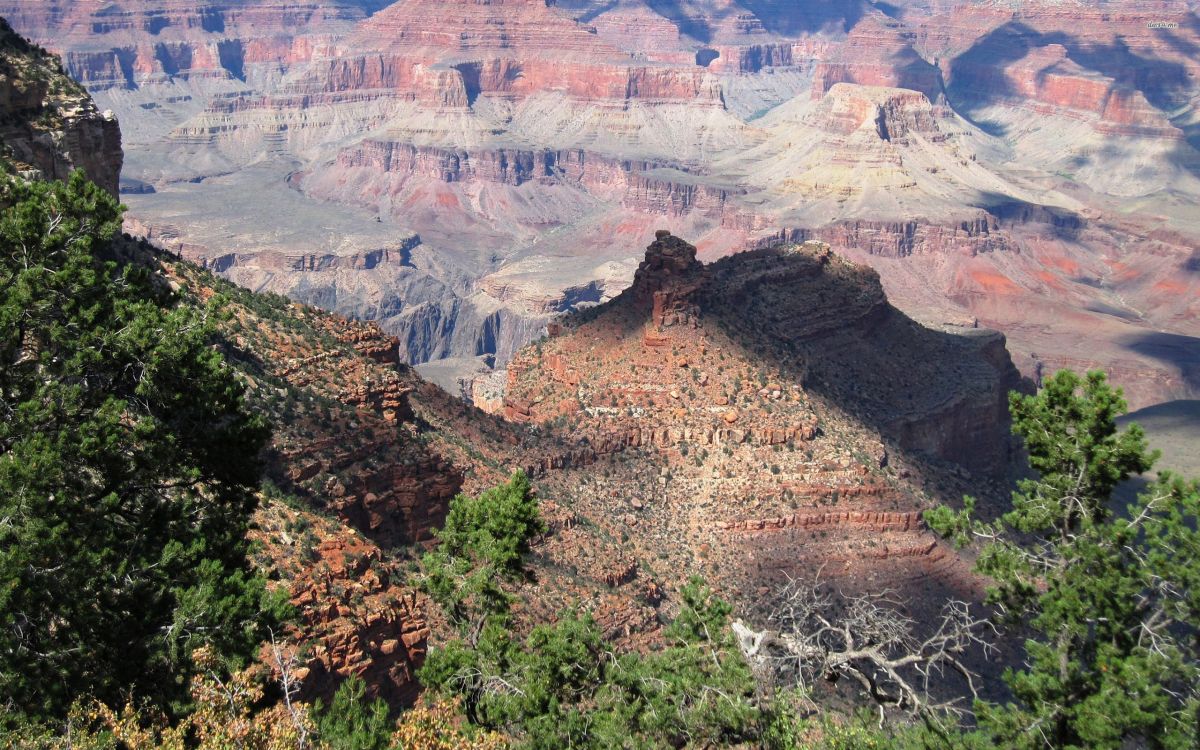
column 462, row 172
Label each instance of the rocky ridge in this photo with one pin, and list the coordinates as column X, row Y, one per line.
column 49, row 126
column 364, row 461
column 772, row 415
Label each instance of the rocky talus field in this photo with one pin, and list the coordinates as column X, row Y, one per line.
column 462, row 172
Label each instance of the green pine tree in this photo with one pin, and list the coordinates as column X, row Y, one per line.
column 1112, row 600
column 563, row 685
column 128, row 466
column 351, row 722
column 483, row 544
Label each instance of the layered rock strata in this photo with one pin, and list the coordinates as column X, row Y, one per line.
column 780, row 417
column 48, row 124
column 1033, row 168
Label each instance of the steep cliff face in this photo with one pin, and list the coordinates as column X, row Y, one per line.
column 878, row 52
column 48, row 124
column 136, row 43
column 1042, row 74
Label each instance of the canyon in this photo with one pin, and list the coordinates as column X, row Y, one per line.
column 751, row 417
column 462, row 172
column 708, row 420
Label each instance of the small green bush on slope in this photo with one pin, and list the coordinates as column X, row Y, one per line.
column 563, row 686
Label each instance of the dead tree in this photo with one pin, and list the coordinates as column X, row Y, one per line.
column 814, row 634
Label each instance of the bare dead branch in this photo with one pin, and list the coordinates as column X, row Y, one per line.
column 811, row 635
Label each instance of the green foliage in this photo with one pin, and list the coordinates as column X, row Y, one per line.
column 351, row 722
column 127, row 468
column 786, row 728
column 482, row 545
column 562, row 686
column 1112, row 600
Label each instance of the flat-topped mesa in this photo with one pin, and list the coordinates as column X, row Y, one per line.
column 893, row 114
column 666, row 279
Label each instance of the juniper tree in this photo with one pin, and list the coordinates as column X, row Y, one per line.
column 1111, row 599
column 128, row 466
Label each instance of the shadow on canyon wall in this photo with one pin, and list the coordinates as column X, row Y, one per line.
column 1062, row 223
column 938, row 392
column 976, row 84
column 786, row 18
column 1174, row 349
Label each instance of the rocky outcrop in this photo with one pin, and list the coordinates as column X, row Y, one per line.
column 354, row 615
column 827, row 319
column 878, row 52
column 48, row 124
column 748, row 411
column 666, row 280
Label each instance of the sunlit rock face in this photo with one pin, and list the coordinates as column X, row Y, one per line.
column 49, row 126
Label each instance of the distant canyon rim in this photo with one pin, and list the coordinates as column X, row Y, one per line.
column 463, row 171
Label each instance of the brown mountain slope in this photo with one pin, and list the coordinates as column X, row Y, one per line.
column 364, row 461
column 702, row 423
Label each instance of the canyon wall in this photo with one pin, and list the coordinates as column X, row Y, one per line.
column 48, row 124
column 1000, row 164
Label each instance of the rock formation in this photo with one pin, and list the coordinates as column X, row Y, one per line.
column 356, row 617
column 771, row 414
column 48, row 124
